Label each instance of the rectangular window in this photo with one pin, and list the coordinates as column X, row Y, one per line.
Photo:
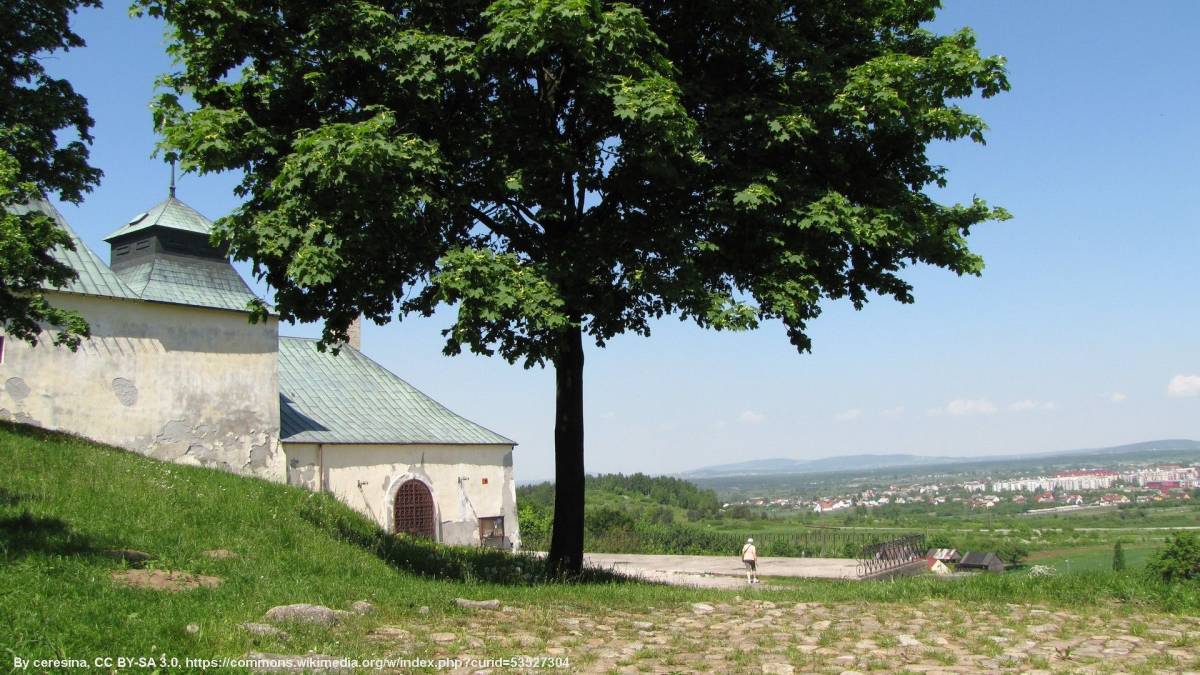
column 121, row 250
column 142, row 245
column 491, row 532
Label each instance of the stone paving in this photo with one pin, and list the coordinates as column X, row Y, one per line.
column 754, row 635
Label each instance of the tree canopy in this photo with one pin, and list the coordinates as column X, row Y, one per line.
column 34, row 109
column 560, row 168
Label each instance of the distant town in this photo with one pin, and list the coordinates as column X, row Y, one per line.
column 1065, row 490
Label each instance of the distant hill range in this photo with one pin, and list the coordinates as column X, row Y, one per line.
column 763, row 467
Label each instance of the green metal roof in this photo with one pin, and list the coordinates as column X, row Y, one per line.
column 94, row 277
column 170, row 213
column 351, row 399
column 188, row 281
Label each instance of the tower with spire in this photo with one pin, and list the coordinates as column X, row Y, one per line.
column 166, row 254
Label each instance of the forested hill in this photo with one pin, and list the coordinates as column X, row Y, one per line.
column 661, row 490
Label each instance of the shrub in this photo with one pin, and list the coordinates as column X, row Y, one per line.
column 1042, row 571
column 1178, row 560
column 1118, row 561
column 939, row 540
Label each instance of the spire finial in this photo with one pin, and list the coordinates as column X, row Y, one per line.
column 172, row 189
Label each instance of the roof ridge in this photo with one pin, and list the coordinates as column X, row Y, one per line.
column 93, row 277
column 352, row 398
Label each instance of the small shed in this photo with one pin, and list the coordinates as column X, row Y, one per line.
column 987, row 562
column 946, row 555
column 937, row 566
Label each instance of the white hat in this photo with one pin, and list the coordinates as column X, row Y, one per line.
column 750, row 540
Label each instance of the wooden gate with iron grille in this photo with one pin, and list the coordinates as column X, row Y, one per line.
column 414, row 510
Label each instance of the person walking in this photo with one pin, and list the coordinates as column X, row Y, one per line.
column 750, row 558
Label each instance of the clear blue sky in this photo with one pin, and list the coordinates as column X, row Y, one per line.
column 1087, row 312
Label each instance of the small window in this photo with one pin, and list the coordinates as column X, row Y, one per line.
column 491, row 532
column 121, row 250
column 142, row 245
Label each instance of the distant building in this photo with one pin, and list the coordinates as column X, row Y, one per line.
column 946, row 555
column 985, row 562
column 937, row 566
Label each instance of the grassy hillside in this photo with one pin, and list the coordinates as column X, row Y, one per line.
column 65, row 503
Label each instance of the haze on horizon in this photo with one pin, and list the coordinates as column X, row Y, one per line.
column 1083, row 331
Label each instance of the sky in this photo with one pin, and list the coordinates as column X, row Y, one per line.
column 1083, row 331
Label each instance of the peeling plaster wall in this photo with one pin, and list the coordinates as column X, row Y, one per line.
column 182, row 384
column 364, row 476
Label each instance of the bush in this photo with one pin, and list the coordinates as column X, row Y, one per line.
column 939, row 540
column 1012, row 553
column 1178, row 560
column 1118, row 561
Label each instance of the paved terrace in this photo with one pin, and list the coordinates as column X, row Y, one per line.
column 711, row 571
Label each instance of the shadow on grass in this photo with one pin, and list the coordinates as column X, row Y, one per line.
column 438, row 561
column 10, row 498
column 28, row 534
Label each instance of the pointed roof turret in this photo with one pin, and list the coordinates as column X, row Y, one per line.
column 169, row 213
column 166, row 254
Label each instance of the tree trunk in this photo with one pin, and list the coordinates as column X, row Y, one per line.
column 566, row 539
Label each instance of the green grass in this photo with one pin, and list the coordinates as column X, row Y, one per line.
column 65, row 501
column 1089, row 558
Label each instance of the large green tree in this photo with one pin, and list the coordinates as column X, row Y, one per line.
column 34, row 110
column 569, row 170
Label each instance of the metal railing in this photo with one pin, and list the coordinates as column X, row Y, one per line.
column 891, row 554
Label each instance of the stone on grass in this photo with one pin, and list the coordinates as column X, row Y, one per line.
column 264, row 630
column 477, row 604
column 908, row 641
column 423, row 610
column 443, row 637
column 362, row 607
column 777, row 669
column 304, row 613
column 388, row 633
column 702, row 608
column 642, row 625
column 220, row 554
column 192, row 629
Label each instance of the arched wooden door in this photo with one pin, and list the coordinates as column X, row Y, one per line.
column 414, row 510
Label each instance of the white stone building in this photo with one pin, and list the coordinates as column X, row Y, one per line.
column 175, row 370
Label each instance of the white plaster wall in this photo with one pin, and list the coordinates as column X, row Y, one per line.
column 182, row 384
column 366, row 477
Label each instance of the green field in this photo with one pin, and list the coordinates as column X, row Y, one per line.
column 1090, row 558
